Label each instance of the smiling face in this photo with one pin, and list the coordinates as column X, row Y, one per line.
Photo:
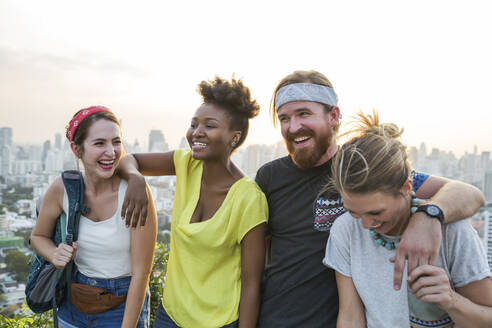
column 308, row 132
column 209, row 134
column 101, row 150
column 383, row 212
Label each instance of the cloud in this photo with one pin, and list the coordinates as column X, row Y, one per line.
column 17, row 60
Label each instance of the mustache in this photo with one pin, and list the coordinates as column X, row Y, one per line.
column 300, row 133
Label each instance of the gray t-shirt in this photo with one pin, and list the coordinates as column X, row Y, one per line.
column 354, row 253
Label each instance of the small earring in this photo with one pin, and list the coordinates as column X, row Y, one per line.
column 233, row 143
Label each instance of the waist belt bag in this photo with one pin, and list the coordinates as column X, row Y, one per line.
column 93, row 300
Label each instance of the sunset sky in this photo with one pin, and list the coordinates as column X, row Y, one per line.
column 426, row 65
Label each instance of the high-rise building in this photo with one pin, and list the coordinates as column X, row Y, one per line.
column 46, row 149
column 487, row 186
column 35, row 152
column 422, row 158
column 487, row 236
column 7, row 159
column 6, row 136
column 413, row 156
column 58, row 139
column 157, row 142
column 485, row 161
column 4, row 221
column 54, row 161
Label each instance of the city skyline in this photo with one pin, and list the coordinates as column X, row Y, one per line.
column 178, row 143
column 424, row 65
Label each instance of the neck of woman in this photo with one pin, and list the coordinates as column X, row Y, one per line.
column 221, row 173
column 96, row 185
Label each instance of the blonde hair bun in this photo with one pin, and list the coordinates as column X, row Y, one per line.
column 365, row 124
column 374, row 159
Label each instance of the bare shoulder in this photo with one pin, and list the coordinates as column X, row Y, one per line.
column 57, row 187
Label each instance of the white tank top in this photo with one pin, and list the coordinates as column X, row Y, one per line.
column 103, row 247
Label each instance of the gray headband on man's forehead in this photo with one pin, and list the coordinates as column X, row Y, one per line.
column 305, row 92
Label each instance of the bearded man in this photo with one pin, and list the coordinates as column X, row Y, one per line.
column 298, row 290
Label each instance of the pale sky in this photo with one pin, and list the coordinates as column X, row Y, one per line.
column 425, row 65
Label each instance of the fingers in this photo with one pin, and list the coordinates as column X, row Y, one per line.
column 135, row 217
column 75, row 246
column 399, row 267
column 62, row 255
column 431, row 284
column 134, row 208
column 137, row 213
column 432, row 256
column 124, row 207
column 129, row 214
column 413, row 260
column 143, row 217
column 423, row 282
column 424, row 271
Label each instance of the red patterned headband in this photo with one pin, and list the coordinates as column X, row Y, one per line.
column 83, row 114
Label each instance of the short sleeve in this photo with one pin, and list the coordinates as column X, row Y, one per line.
column 253, row 209
column 181, row 159
column 418, row 179
column 337, row 254
column 466, row 257
column 260, row 178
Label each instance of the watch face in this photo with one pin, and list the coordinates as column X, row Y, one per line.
column 433, row 210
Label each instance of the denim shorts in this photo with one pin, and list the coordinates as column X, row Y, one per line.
column 162, row 320
column 111, row 318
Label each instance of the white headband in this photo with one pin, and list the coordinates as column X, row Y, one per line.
column 305, row 92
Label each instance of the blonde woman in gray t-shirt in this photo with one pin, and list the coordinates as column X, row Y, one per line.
column 372, row 174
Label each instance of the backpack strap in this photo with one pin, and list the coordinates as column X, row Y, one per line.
column 74, row 185
column 63, row 225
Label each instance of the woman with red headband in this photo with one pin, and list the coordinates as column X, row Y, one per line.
column 104, row 249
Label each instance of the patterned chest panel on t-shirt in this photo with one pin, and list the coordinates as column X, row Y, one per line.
column 326, row 210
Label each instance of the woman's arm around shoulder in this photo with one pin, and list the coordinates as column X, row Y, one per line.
column 150, row 164
column 51, row 208
column 142, row 253
column 132, row 168
column 252, row 265
column 351, row 313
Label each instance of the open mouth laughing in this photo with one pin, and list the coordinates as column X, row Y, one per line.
column 106, row 164
column 196, row 145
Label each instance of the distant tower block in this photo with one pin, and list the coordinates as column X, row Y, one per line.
column 6, row 136
column 58, row 141
column 4, row 222
column 487, row 184
column 157, row 142
column 488, row 237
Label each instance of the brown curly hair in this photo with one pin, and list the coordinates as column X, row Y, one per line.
column 233, row 97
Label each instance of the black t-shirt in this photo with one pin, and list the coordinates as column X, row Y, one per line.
column 298, row 290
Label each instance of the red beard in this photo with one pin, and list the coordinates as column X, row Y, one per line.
column 308, row 157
